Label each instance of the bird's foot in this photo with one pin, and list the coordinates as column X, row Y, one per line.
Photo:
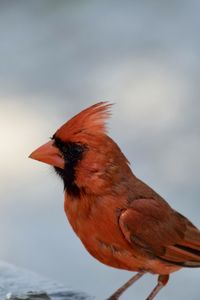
column 162, row 281
column 124, row 287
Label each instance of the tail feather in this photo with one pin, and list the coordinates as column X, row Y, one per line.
column 179, row 253
column 185, row 264
column 191, row 264
column 187, row 252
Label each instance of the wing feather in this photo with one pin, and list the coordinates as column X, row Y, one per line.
column 160, row 231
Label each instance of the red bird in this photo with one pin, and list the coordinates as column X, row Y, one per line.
column 120, row 220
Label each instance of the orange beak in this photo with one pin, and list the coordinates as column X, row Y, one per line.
column 48, row 154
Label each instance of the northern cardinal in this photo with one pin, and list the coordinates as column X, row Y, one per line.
column 120, row 220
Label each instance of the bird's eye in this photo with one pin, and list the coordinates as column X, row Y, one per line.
column 78, row 148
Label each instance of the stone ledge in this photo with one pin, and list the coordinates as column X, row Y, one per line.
column 20, row 284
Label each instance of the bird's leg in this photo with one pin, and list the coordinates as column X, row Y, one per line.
column 120, row 291
column 162, row 281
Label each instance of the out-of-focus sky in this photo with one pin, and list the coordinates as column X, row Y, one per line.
column 58, row 57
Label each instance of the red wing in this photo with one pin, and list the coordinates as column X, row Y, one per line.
column 159, row 230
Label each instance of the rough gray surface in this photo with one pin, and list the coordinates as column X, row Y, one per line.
column 20, row 284
column 29, row 296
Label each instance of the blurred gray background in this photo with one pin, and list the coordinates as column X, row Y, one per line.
column 58, row 57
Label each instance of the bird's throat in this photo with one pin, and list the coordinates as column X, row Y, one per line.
column 68, row 177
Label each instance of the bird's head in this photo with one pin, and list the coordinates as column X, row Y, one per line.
column 80, row 151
